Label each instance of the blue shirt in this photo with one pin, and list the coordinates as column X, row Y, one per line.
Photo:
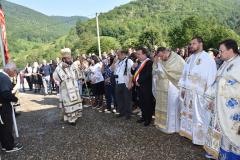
column 107, row 73
column 45, row 70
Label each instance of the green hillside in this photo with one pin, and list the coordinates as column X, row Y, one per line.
column 149, row 22
column 128, row 21
column 29, row 26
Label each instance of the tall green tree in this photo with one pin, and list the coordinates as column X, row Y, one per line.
column 107, row 44
column 150, row 38
column 212, row 33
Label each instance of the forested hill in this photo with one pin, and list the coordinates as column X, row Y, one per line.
column 25, row 23
column 28, row 29
column 128, row 22
column 169, row 13
column 148, row 23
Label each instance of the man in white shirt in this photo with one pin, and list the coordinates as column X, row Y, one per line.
column 123, row 77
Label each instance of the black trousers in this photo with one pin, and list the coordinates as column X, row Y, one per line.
column 146, row 103
column 135, row 97
column 6, row 129
column 29, row 81
column 124, row 97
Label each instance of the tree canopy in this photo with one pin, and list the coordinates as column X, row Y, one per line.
column 147, row 23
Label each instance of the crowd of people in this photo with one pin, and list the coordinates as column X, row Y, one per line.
column 39, row 77
column 190, row 91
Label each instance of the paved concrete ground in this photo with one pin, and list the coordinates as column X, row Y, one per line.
column 97, row 136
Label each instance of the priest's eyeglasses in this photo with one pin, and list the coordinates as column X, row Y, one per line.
column 221, row 51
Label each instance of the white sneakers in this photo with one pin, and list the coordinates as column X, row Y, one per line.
column 107, row 111
column 16, row 148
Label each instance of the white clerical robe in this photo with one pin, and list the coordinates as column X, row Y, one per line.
column 69, row 92
column 199, row 73
column 227, row 98
column 213, row 137
column 166, row 74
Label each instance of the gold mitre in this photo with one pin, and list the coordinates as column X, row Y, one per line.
column 66, row 52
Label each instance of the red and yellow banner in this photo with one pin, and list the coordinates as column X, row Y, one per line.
column 4, row 35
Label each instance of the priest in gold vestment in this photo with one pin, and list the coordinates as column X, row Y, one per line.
column 225, row 94
column 167, row 70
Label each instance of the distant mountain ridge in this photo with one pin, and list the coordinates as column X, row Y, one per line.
column 25, row 23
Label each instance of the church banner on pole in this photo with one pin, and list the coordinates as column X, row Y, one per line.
column 3, row 39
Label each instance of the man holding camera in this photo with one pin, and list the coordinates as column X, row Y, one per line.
column 122, row 72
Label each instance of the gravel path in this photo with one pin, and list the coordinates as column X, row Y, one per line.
column 97, row 136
